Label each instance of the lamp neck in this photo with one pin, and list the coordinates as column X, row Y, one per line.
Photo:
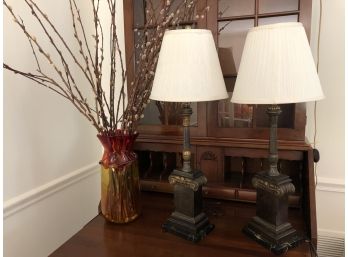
column 273, row 112
column 186, row 153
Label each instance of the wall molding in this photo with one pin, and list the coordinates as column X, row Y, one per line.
column 330, row 185
column 331, row 233
column 31, row 197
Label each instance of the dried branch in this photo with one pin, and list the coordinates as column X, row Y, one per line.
column 106, row 113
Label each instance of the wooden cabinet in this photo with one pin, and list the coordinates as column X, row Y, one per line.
column 229, row 141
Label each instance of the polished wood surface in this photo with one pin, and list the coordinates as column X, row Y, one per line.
column 144, row 237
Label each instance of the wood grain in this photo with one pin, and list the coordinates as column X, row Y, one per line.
column 144, row 237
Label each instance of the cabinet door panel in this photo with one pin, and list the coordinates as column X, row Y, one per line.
column 210, row 162
column 229, row 8
column 232, row 35
column 271, row 6
column 271, row 20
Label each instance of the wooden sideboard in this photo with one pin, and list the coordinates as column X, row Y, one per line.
column 229, row 141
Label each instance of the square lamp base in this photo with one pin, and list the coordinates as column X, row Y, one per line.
column 191, row 229
column 188, row 221
column 277, row 239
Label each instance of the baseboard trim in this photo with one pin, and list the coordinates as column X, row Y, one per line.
column 29, row 198
column 330, row 185
column 331, row 233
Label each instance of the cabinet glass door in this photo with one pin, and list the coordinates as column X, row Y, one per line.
column 233, row 20
column 166, row 113
column 160, row 117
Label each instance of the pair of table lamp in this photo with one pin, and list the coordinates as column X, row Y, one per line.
column 277, row 67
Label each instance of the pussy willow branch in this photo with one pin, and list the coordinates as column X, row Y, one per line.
column 83, row 32
column 73, row 7
column 159, row 19
column 79, row 41
column 123, row 74
column 112, row 7
column 50, row 80
column 65, row 65
column 97, row 61
column 43, row 80
column 149, row 50
column 33, row 50
column 103, row 116
column 51, row 25
column 82, row 100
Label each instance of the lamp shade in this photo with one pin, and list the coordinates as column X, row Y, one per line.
column 277, row 67
column 188, row 68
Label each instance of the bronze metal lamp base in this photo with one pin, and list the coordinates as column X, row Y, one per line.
column 188, row 221
column 277, row 240
column 270, row 226
column 191, row 229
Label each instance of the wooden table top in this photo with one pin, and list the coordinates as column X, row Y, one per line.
column 145, row 238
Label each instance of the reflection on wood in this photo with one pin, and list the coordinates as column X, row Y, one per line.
column 170, row 113
column 235, row 115
column 144, row 237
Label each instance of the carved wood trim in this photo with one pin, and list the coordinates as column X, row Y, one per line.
column 209, row 156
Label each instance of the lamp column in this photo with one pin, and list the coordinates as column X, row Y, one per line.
column 186, row 153
column 188, row 220
column 273, row 113
column 270, row 226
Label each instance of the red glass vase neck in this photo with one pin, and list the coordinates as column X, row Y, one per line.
column 118, row 148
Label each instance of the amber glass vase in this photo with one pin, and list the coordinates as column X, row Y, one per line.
column 120, row 188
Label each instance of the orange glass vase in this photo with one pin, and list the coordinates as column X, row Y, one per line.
column 120, row 187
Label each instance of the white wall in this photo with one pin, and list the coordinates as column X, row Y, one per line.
column 330, row 116
column 51, row 153
column 44, row 136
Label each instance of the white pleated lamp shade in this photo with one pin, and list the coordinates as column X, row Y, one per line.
column 188, row 68
column 277, row 67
